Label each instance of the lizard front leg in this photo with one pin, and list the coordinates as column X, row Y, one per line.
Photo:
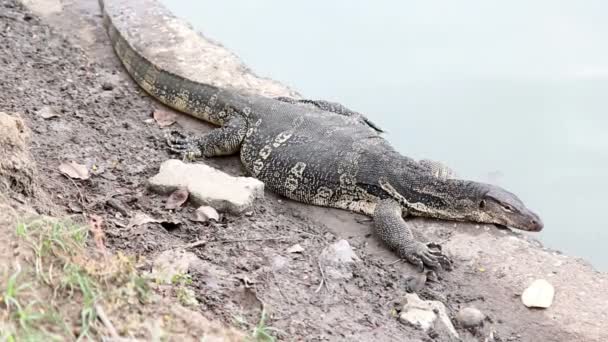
column 397, row 235
column 219, row 142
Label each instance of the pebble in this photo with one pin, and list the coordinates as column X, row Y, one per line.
column 107, row 86
column 297, row 248
column 470, row 317
column 539, row 294
column 205, row 213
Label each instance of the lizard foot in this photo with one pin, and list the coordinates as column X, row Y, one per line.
column 187, row 147
column 430, row 255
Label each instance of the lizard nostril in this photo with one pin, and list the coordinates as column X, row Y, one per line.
column 536, row 224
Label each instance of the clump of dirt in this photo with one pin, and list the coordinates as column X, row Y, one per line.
column 17, row 169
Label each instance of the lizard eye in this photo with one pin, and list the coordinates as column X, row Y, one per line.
column 482, row 204
column 507, row 207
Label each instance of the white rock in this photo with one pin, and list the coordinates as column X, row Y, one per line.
column 205, row 213
column 470, row 317
column 171, row 263
column 339, row 252
column 424, row 313
column 538, row 295
column 208, row 186
column 295, row 249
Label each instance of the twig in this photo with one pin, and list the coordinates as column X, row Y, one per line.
column 248, row 240
column 195, row 244
column 323, row 280
column 204, row 242
column 393, row 262
column 106, row 322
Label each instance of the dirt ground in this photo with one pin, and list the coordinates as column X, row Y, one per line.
column 58, row 58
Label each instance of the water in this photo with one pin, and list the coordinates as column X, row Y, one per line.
column 513, row 93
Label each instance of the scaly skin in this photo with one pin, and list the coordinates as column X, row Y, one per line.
column 324, row 154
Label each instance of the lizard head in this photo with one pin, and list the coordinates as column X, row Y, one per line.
column 499, row 206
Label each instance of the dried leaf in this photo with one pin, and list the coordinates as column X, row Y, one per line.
column 205, row 213
column 177, row 198
column 164, row 118
column 74, row 170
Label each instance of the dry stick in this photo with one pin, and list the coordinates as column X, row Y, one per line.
column 106, row 322
column 203, row 242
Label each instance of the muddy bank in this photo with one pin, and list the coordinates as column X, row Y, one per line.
column 59, row 57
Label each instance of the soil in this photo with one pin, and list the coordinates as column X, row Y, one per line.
column 104, row 121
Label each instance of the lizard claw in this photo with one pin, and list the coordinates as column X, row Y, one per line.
column 185, row 146
column 421, row 255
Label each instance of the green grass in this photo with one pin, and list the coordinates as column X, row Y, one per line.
column 261, row 332
column 54, row 293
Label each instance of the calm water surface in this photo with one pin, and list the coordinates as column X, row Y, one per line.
column 514, row 93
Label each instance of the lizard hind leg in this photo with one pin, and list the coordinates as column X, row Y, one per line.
column 219, row 142
column 397, row 235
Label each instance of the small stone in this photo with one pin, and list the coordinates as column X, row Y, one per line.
column 295, row 249
column 208, row 186
column 206, row 213
column 415, row 283
column 47, row 112
column 107, row 86
column 538, row 295
column 470, row 317
column 339, row 252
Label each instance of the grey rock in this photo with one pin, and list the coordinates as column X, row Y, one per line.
column 339, row 252
column 470, row 317
column 426, row 314
column 337, row 260
column 208, row 186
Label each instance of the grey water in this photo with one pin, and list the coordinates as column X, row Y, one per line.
column 513, row 93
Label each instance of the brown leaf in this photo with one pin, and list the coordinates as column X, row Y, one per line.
column 74, row 170
column 177, row 198
column 164, row 118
